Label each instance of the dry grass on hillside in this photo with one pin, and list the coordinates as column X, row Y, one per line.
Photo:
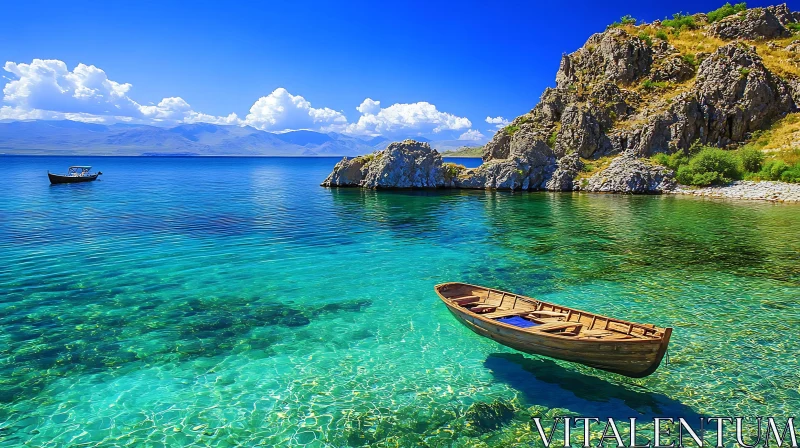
column 782, row 140
column 691, row 42
column 592, row 166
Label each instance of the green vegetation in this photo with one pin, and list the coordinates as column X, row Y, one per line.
column 662, row 35
column 795, row 26
column 511, row 129
column 452, row 170
column 690, row 59
column 592, row 166
column 705, row 165
column 652, row 85
column 680, row 22
column 367, row 158
column 646, row 38
column 726, row 10
column 778, row 170
column 624, row 20
column 551, row 141
column 709, row 166
column 751, row 158
column 743, row 72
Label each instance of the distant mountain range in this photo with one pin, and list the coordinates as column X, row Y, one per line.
column 46, row 137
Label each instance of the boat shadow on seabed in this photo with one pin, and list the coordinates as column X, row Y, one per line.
column 544, row 382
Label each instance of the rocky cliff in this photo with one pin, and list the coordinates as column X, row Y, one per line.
column 630, row 92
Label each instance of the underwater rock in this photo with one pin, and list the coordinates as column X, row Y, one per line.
column 486, row 417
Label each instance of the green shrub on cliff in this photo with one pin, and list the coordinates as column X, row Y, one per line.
column 690, row 59
column 652, row 85
column 452, row 170
column 624, row 20
column 646, row 38
column 662, row 35
column 792, row 174
column 672, row 161
column 751, row 158
column 551, row 140
column 680, row 22
column 710, row 166
column 725, row 10
column 779, row 170
column 704, row 165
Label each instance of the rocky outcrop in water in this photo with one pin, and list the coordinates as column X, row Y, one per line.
column 407, row 164
column 528, row 166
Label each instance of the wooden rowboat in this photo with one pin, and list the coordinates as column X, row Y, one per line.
column 541, row 328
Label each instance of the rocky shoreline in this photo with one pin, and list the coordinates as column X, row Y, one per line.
column 764, row 191
column 411, row 164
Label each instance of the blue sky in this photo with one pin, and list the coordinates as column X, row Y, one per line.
column 468, row 60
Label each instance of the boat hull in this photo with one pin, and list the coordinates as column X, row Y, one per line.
column 634, row 358
column 59, row 179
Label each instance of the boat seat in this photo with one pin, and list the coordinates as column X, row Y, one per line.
column 555, row 326
column 548, row 314
column 480, row 309
column 595, row 333
column 465, row 300
column 547, row 319
column 504, row 313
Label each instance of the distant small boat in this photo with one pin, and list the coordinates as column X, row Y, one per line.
column 557, row 331
column 74, row 175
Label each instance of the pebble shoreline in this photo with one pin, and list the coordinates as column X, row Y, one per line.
column 764, row 190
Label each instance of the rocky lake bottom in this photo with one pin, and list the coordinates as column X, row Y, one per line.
column 235, row 302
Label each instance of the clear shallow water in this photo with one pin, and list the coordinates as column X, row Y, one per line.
column 235, row 302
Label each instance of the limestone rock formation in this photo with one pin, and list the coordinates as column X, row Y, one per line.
column 753, row 24
column 613, row 55
column 567, row 169
column 528, row 167
column 407, row 164
column 630, row 174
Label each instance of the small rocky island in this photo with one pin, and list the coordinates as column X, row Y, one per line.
column 629, row 94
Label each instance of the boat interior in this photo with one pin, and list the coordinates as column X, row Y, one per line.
column 536, row 316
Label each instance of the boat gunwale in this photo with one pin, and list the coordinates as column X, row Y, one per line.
column 664, row 338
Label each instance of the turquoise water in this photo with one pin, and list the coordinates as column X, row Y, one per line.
column 234, row 302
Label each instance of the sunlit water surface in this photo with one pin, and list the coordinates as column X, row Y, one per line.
column 235, row 302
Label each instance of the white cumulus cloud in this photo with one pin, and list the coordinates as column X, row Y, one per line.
column 472, row 135
column 369, row 106
column 280, row 111
column 49, row 85
column 47, row 89
column 499, row 122
column 419, row 118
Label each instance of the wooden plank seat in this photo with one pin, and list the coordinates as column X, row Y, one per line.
column 547, row 319
column 596, row 333
column 504, row 313
column 556, row 326
column 482, row 309
column 466, row 300
column 547, row 314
